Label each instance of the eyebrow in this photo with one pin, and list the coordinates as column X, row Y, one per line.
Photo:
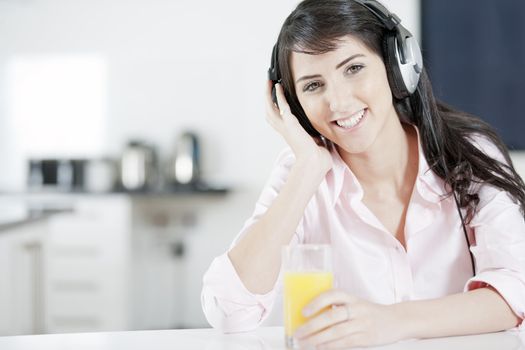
column 306, row 77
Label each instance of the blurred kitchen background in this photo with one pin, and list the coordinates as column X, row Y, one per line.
column 133, row 145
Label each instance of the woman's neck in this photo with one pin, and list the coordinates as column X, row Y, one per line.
column 391, row 163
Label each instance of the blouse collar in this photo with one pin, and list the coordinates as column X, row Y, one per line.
column 342, row 180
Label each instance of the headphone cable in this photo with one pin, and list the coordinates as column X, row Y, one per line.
column 465, row 232
column 445, row 171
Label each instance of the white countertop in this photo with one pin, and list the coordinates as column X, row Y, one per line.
column 209, row 339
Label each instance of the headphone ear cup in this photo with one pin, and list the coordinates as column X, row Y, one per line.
column 392, row 65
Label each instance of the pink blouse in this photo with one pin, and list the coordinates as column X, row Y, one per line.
column 369, row 262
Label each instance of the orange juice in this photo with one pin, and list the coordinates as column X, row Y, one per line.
column 299, row 289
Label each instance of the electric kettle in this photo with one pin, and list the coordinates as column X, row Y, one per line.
column 138, row 166
column 184, row 168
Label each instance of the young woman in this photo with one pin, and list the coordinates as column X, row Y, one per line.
column 420, row 202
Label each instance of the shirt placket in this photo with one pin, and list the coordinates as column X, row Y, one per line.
column 401, row 271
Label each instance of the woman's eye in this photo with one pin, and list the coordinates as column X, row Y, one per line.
column 354, row 68
column 311, row 86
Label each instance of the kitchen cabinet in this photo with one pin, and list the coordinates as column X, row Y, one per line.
column 87, row 270
column 22, row 269
column 113, row 262
column 174, row 240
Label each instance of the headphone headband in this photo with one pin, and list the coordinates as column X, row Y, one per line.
column 390, row 20
column 403, row 55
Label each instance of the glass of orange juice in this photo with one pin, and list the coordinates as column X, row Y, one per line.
column 307, row 272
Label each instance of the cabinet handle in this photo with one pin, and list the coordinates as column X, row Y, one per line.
column 66, row 286
column 34, row 249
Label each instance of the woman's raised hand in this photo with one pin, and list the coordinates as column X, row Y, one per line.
column 304, row 146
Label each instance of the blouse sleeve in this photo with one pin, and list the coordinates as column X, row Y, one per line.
column 227, row 304
column 499, row 250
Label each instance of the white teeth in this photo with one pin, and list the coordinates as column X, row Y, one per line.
column 352, row 120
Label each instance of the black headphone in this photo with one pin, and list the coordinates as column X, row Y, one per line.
column 403, row 61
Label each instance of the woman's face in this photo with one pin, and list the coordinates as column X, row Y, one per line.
column 345, row 94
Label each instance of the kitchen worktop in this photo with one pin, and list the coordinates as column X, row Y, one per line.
column 40, row 209
column 175, row 190
column 197, row 189
column 29, row 216
column 210, row 339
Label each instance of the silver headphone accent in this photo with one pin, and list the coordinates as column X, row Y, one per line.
column 413, row 66
column 402, row 53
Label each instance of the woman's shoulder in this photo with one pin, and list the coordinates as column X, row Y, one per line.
column 487, row 146
column 285, row 156
column 281, row 166
column 487, row 192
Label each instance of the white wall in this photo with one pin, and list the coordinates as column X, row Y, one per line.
column 171, row 65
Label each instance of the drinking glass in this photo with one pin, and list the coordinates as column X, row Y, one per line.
column 307, row 272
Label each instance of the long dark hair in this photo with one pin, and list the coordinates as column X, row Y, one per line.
column 316, row 26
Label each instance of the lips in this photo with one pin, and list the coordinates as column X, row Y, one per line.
column 352, row 121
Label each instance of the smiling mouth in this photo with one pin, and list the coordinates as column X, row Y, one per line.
column 352, row 121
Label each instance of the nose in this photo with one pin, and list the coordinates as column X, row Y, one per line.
column 339, row 99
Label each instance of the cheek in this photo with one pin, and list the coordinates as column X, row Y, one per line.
column 372, row 85
column 379, row 88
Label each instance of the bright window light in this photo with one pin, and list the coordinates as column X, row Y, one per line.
column 57, row 104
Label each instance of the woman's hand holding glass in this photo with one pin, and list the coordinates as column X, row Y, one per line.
column 304, row 146
column 347, row 322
